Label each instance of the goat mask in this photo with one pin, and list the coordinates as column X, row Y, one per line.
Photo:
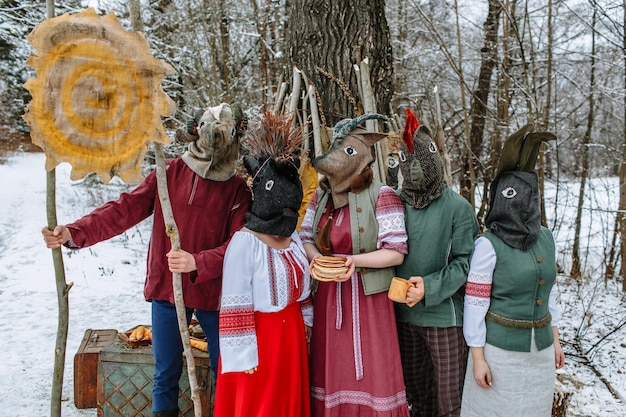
column 420, row 164
column 347, row 162
column 214, row 149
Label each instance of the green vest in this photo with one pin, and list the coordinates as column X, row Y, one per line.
column 520, row 290
column 364, row 231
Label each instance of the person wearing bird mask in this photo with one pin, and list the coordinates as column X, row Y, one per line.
column 511, row 309
column 355, row 359
column 209, row 202
column 441, row 226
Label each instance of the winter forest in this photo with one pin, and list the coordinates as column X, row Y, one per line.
column 473, row 71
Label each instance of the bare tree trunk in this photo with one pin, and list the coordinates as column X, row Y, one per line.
column 621, row 214
column 260, row 17
column 502, row 106
column 576, row 271
column 225, row 44
column 480, row 96
column 326, row 38
column 468, row 176
column 544, row 160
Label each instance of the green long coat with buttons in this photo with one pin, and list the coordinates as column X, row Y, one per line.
column 441, row 241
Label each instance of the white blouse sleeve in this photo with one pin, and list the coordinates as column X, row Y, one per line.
column 553, row 301
column 553, row 306
column 237, row 330
column 478, row 292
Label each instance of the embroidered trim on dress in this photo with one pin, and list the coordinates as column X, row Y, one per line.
column 360, row 398
column 356, row 327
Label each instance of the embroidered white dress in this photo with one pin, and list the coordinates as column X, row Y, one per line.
column 265, row 304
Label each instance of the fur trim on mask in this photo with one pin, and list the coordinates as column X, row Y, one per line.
column 362, row 181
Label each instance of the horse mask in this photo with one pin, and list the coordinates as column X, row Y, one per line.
column 346, row 165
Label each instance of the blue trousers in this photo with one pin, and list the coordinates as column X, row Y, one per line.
column 167, row 349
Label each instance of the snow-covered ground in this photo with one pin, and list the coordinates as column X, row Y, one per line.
column 108, row 286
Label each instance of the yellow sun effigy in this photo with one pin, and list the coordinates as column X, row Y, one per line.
column 97, row 100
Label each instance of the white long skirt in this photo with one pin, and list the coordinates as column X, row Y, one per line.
column 522, row 384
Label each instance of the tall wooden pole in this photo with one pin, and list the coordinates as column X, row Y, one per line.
column 172, row 232
column 61, row 285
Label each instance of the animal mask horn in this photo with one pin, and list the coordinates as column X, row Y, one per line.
column 520, row 150
column 345, row 126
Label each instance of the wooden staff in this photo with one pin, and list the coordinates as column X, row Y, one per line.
column 172, row 231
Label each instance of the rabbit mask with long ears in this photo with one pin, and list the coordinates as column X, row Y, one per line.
column 346, row 165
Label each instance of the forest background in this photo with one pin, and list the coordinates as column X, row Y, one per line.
column 473, row 70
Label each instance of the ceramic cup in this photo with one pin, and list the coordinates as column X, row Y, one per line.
column 398, row 289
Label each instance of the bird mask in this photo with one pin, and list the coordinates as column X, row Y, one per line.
column 420, row 164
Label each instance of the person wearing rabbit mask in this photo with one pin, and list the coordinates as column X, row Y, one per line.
column 511, row 309
column 355, row 359
column 441, row 226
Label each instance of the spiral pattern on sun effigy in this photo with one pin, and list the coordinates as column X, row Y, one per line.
column 97, row 100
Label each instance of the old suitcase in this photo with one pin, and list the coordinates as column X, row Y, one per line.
column 86, row 365
column 125, row 382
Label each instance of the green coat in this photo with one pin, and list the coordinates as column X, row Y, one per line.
column 441, row 241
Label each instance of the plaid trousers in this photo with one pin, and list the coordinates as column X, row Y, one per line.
column 434, row 361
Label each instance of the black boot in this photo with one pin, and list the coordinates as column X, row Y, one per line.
column 167, row 413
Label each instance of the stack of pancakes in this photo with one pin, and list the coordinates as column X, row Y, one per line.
column 329, row 268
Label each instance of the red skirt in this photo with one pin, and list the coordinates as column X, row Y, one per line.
column 280, row 386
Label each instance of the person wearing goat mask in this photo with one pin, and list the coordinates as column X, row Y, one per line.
column 355, row 358
column 511, row 309
column 441, row 226
column 209, row 202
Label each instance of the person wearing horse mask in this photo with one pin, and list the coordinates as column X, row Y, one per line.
column 266, row 310
column 355, row 358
